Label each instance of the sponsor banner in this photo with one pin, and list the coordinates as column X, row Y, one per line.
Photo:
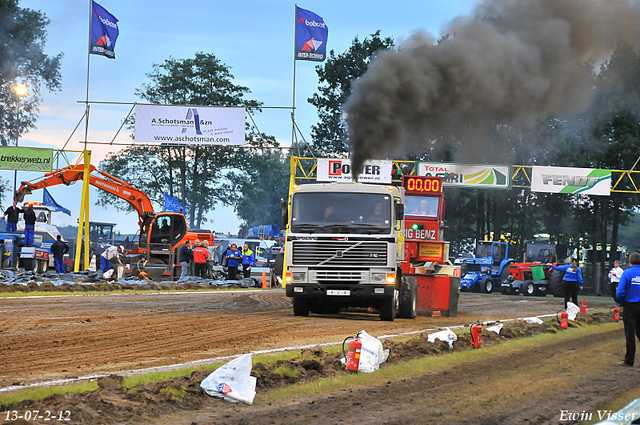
column 578, row 181
column 339, row 170
column 104, row 32
column 202, row 125
column 26, row 159
column 311, row 36
column 467, row 175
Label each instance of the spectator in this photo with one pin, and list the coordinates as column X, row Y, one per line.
column 29, row 225
column 12, row 214
column 628, row 296
column 248, row 261
column 185, row 257
column 200, row 255
column 210, row 259
column 233, row 259
column 614, row 275
column 58, row 249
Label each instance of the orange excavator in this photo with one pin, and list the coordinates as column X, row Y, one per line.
column 161, row 233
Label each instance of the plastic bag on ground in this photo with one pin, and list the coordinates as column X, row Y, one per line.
column 447, row 335
column 232, row 381
column 495, row 328
column 371, row 354
column 572, row 310
column 533, row 320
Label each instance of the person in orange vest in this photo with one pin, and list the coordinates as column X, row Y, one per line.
column 200, row 255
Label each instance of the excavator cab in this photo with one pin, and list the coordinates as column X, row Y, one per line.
column 161, row 233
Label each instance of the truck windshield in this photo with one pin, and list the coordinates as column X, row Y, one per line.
column 329, row 212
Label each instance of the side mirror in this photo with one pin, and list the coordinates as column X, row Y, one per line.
column 399, row 211
column 285, row 213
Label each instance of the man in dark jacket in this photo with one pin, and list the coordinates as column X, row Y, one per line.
column 58, row 249
column 29, row 225
column 185, row 256
column 628, row 296
column 12, row 214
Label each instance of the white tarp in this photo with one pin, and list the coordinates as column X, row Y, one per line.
column 578, row 181
column 339, row 170
column 197, row 125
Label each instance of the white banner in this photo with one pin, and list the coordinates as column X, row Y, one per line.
column 579, row 181
column 198, row 125
column 339, row 170
column 466, row 175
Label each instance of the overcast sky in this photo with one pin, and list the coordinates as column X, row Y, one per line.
column 255, row 38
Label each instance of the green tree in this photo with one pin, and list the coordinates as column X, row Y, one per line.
column 194, row 175
column 22, row 61
column 336, row 76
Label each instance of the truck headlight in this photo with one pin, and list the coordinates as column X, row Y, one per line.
column 378, row 277
column 299, row 276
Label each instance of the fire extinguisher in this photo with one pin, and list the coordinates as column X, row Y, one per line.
column 616, row 314
column 352, row 356
column 564, row 319
column 476, row 334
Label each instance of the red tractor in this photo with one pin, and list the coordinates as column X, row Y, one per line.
column 533, row 277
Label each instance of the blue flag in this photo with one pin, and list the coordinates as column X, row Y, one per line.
column 171, row 204
column 104, row 31
column 48, row 200
column 311, row 36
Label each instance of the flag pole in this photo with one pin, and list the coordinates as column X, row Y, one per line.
column 86, row 102
column 293, row 109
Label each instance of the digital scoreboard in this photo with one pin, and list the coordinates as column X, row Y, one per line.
column 422, row 185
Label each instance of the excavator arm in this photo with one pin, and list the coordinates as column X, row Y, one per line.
column 73, row 173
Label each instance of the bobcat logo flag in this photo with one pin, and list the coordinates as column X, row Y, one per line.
column 104, row 31
column 311, row 36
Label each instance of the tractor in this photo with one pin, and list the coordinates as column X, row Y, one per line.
column 533, row 277
column 487, row 269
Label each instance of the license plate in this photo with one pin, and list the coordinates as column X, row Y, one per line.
column 339, row 292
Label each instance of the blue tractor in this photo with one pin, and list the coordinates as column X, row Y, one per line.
column 485, row 271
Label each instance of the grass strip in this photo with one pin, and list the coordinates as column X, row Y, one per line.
column 325, row 386
column 40, row 393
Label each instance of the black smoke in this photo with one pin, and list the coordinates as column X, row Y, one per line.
column 510, row 62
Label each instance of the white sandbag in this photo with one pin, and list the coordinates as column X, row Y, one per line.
column 371, row 354
column 495, row 328
column 572, row 310
column 108, row 274
column 447, row 335
column 232, row 381
column 533, row 320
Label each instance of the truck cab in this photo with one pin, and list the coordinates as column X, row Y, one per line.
column 344, row 247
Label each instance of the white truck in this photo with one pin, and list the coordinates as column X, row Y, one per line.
column 344, row 248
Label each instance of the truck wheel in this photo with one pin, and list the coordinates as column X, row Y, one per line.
column 529, row 289
column 555, row 283
column 486, row 285
column 389, row 308
column 409, row 299
column 300, row 307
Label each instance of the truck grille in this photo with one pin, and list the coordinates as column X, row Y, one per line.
column 335, row 275
column 340, row 253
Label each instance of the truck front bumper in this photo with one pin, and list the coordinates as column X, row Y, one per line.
column 349, row 294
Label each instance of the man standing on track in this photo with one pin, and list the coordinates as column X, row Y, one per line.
column 628, row 296
column 572, row 278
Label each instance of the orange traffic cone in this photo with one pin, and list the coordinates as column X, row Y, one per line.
column 583, row 308
column 264, row 280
